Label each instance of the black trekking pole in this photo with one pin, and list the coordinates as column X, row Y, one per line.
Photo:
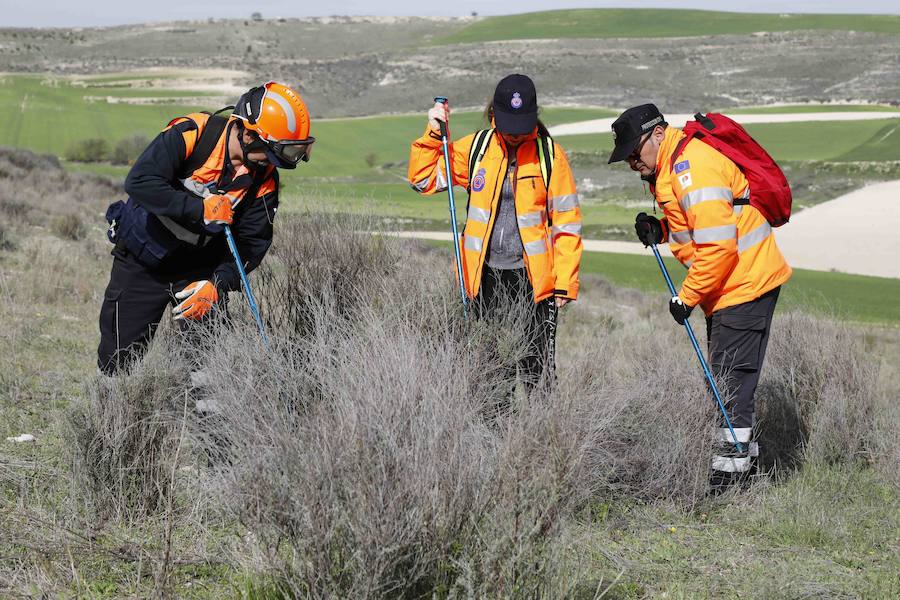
column 703, row 363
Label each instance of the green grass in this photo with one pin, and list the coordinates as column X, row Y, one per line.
column 811, row 108
column 648, row 23
column 827, row 532
column 844, row 296
column 48, row 118
column 822, row 141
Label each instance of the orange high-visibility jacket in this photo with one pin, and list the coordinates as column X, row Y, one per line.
column 730, row 251
column 549, row 220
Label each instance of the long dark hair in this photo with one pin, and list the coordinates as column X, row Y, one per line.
column 489, row 116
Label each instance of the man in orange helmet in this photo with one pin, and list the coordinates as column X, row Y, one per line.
column 201, row 173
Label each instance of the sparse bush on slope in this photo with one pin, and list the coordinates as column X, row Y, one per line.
column 365, row 452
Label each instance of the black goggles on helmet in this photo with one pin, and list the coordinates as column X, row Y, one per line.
column 284, row 154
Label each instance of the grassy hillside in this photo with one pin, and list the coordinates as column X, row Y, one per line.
column 822, row 141
column 656, row 23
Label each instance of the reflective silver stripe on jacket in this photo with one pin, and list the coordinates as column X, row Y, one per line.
column 730, row 464
column 536, row 247
column 563, row 203
column 422, row 185
column 472, row 243
column 479, row 215
column 754, row 236
column 680, row 237
column 441, row 181
column 706, row 194
column 708, row 235
column 571, row 228
column 531, row 219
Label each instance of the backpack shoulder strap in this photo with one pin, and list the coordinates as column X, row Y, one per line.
column 547, row 155
column 207, row 141
column 479, row 147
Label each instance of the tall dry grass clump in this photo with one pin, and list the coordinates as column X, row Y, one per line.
column 819, row 396
column 375, row 451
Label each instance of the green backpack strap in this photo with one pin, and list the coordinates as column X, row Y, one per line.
column 476, row 152
column 546, row 154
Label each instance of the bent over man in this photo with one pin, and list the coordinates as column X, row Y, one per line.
column 200, row 174
column 735, row 269
column 521, row 245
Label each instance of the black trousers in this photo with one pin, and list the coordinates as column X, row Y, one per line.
column 738, row 336
column 506, row 296
column 133, row 305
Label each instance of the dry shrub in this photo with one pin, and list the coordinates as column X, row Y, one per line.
column 819, row 397
column 124, row 437
column 69, row 227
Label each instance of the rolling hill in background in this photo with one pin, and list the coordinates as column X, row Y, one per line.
column 348, row 66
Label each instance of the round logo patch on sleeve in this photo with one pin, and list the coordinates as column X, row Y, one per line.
column 478, row 181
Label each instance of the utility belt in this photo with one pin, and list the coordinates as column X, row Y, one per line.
column 150, row 238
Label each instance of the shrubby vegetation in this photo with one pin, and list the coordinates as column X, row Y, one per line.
column 369, row 453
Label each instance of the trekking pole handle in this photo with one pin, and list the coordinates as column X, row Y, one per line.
column 443, row 125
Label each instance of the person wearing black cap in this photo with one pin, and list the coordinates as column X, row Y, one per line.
column 522, row 238
column 735, row 269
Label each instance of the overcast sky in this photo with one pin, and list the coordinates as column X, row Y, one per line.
column 56, row 13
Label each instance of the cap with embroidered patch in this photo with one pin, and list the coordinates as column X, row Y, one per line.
column 515, row 105
column 631, row 125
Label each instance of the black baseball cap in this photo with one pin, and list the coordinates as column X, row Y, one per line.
column 515, row 105
column 630, row 126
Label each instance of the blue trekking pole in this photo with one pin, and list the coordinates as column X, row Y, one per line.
column 247, row 291
column 449, row 169
column 703, row 363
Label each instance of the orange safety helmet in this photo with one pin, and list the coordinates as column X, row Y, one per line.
column 278, row 115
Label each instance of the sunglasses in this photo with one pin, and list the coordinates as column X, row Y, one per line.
column 636, row 153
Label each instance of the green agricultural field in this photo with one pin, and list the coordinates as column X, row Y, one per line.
column 849, row 297
column 818, row 141
column 650, row 23
column 810, row 108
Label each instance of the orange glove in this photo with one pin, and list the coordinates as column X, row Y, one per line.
column 197, row 298
column 217, row 209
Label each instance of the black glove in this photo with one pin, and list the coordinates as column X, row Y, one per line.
column 648, row 229
column 680, row 311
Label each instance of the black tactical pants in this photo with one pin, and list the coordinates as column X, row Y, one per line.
column 134, row 302
column 506, row 296
column 738, row 336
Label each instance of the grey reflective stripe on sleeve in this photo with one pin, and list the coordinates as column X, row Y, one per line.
column 564, row 203
column 422, row 185
column 479, row 215
column 745, row 194
column 688, row 264
column 473, row 243
column 695, row 197
column 441, row 181
column 536, row 247
column 680, row 237
column 738, row 209
column 754, row 237
column 572, row 228
column 531, row 219
column 708, row 235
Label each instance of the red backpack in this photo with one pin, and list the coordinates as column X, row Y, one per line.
column 770, row 192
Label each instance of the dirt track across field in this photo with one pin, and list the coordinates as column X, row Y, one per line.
column 856, row 233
